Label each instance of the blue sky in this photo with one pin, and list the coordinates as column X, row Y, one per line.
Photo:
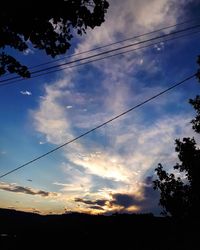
column 112, row 168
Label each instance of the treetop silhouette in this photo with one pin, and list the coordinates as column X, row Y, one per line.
column 49, row 27
column 180, row 196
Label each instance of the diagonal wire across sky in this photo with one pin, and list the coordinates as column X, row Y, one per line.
column 101, row 125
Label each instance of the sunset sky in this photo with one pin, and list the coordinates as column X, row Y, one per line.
column 112, row 168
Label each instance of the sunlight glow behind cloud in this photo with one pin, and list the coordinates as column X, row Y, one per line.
column 117, row 158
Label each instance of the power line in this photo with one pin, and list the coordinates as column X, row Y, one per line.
column 98, row 59
column 113, row 43
column 101, row 125
column 105, row 52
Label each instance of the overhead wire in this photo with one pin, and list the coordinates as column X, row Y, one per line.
column 104, row 52
column 99, row 59
column 114, row 43
column 101, row 125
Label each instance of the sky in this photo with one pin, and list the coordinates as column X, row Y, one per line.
column 110, row 170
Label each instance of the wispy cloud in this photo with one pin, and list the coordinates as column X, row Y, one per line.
column 26, row 92
column 41, row 142
column 25, row 190
column 120, row 155
column 69, row 107
column 89, row 202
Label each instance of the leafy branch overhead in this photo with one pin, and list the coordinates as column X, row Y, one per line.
column 49, row 27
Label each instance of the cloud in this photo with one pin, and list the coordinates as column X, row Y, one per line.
column 96, row 207
column 89, row 202
column 26, row 92
column 100, row 183
column 124, row 200
column 93, row 204
column 25, row 190
column 69, row 107
column 159, row 46
column 148, row 202
column 151, row 197
column 28, row 52
column 116, row 158
column 125, row 19
column 41, row 142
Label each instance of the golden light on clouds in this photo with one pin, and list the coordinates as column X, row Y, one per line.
column 105, row 170
column 103, row 165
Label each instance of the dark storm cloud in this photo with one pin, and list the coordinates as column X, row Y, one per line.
column 101, row 202
column 151, row 198
column 148, row 204
column 92, row 202
column 84, row 201
column 96, row 207
column 124, row 200
column 26, row 190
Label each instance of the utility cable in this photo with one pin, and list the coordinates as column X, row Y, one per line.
column 105, row 52
column 101, row 125
column 97, row 59
column 114, row 43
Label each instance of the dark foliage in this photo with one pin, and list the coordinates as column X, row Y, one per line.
column 180, row 197
column 196, row 105
column 10, row 64
column 48, row 26
column 196, row 122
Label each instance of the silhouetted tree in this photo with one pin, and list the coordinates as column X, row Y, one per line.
column 48, row 26
column 180, row 197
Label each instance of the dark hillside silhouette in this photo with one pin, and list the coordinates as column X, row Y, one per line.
column 47, row 26
column 20, row 230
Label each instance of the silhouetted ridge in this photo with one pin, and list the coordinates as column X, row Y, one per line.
column 20, row 230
